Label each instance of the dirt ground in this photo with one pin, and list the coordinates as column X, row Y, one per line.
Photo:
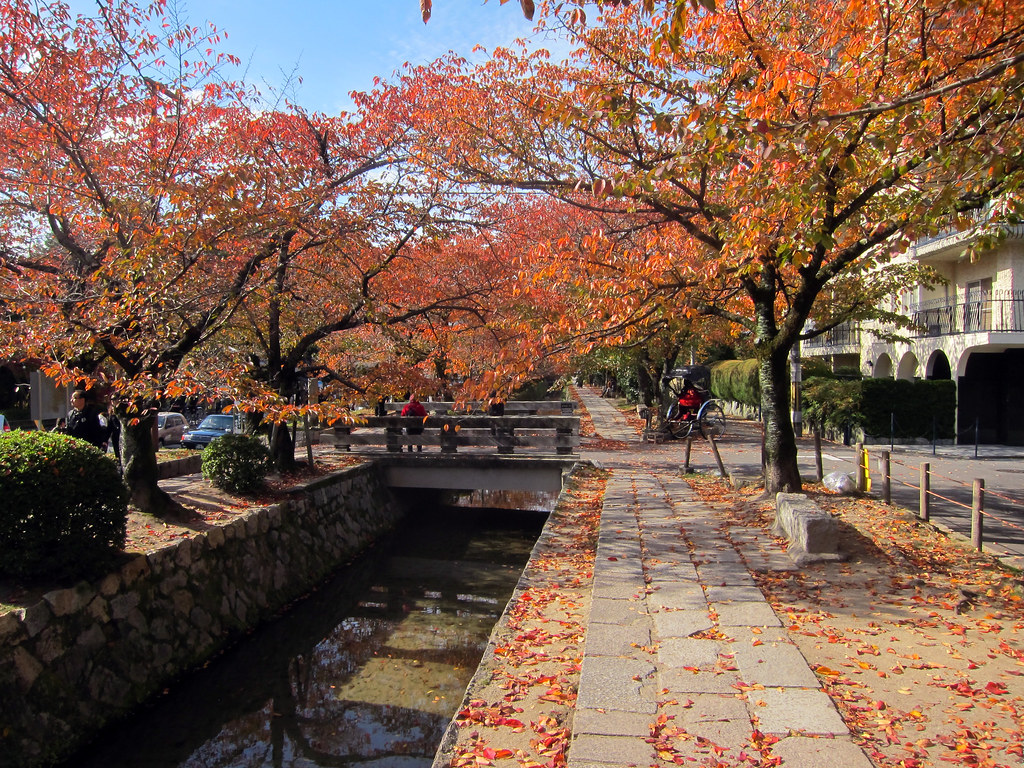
column 204, row 506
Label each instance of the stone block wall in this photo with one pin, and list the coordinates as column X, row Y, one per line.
column 84, row 656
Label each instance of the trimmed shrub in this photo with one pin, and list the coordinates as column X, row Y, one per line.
column 736, row 380
column 909, row 409
column 64, row 509
column 236, row 463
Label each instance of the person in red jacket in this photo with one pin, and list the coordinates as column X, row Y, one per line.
column 414, row 408
column 689, row 401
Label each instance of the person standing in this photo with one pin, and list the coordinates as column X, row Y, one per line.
column 84, row 423
column 414, row 408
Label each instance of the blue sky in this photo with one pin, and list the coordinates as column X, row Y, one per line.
column 339, row 46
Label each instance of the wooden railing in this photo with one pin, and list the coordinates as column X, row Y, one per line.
column 476, row 407
column 452, row 433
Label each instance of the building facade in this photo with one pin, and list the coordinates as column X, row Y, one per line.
column 970, row 330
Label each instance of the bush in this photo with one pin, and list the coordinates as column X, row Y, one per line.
column 236, row 463
column 832, row 403
column 64, row 509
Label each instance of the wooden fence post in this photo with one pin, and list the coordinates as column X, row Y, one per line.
column 718, row 457
column 817, row 453
column 924, row 488
column 886, row 478
column 977, row 517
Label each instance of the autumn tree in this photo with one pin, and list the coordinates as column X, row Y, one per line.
column 793, row 146
column 135, row 216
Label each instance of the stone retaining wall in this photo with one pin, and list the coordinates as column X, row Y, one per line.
column 84, row 656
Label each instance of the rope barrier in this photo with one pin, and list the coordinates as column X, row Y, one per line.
column 977, row 514
column 954, row 502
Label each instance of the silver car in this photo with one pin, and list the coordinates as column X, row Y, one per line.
column 170, row 427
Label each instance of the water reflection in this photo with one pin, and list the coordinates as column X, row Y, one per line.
column 366, row 672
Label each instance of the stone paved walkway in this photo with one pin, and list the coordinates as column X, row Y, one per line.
column 678, row 628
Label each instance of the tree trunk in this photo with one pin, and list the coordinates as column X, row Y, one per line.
column 645, row 383
column 781, row 472
column 138, row 461
column 282, row 448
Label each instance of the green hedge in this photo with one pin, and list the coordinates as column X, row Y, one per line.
column 917, row 407
column 736, row 380
column 63, row 507
column 906, row 409
column 832, row 403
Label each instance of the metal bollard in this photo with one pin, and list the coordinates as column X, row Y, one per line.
column 862, row 480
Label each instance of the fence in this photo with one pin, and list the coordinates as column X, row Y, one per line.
column 979, row 497
column 504, row 434
column 510, row 407
column 989, row 311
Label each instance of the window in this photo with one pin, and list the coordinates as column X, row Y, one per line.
column 978, row 305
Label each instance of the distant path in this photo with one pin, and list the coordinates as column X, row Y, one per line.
column 953, row 468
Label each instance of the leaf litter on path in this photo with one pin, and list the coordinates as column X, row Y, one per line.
column 917, row 639
column 517, row 710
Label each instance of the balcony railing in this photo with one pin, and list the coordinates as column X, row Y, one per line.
column 845, row 335
column 999, row 311
column 966, row 232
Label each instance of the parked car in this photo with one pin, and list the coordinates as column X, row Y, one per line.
column 210, row 428
column 5, row 425
column 170, row 427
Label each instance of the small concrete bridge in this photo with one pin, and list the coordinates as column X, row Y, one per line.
column 528, row 448
column 457, row 433
column 475, row 471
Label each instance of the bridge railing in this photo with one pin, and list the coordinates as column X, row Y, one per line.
column 452, row 433
column 477, row 407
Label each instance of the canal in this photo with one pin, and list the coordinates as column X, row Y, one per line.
column 366, row 671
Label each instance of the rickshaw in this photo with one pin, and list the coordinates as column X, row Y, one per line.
column 706, row 420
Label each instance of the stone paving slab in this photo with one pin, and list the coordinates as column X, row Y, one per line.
column 726, row 576
column 611, row 723
column 773, row 664
column 669, row 596
column 678, row 682
column 804, row 752
column 668, row 624
column 780, row 711
column 742, row 614
column 720, row 594
column 612, row 683
column 622, row 751
column 606, row 610
column 618, row 640
column 720, row 719
column 688, row 652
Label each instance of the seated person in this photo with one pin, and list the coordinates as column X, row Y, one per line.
column 689, row 401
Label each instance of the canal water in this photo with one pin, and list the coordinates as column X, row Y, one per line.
column 365, row 672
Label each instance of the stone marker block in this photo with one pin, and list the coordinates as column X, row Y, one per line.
column 813, row 534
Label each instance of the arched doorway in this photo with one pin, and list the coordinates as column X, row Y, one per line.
column 988, row 398
column 882, row 369
column 908, row 368
column 938, row 367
